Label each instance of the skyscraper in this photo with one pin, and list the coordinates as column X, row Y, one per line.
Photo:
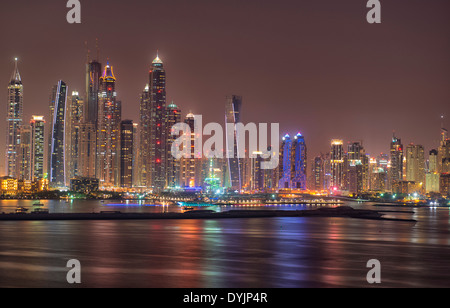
column 299, row 161
column 23, row 163
column 126, row 153
column 173, row 116
column 432, row 175
column 37, row 147
column 109, row 116
column 89, row 125
column 14, row 114
column 337, row 164
column 285, row 159
column 156, row 156
column 75, row 120
column 233, row 110
column 415, row 164
column 57, row 168
column 144, row 138
column 293, row 158
column 396, row 156
column 188, row 168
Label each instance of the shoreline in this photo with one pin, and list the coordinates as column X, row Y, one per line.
column 342, row 211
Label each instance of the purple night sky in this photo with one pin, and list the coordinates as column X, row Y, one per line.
column 314, row 66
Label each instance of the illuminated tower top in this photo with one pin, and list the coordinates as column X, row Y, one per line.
column 15, row 78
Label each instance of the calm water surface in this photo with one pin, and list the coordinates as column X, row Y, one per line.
column 256, row 252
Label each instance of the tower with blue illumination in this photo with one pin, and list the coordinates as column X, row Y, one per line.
column 299, row 162
column 293, row 167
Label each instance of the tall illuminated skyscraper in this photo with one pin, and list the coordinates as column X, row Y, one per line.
column 23, row 163
column 88, row 127
column 173, row 116
column 126, row 153
column 299, row 162
column 188, row 165
column 337, row 164
column 109, row 116
column 156, row 161
column 285, row 159
column 57, row 168
column 293, row 158
column 143, row 155
column 75, row 120
column 37, row 147
column 14, row 118
column 396, row 156
column 415, row 164
column 233, row 110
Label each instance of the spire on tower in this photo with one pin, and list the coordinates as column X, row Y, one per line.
column 15, row 78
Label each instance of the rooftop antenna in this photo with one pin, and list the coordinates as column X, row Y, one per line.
column 87, row 52
column 98, row 49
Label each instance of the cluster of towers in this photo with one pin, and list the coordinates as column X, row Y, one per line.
column 405, row 169
column 86, row 138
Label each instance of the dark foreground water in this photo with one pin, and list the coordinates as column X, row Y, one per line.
column 235, row 253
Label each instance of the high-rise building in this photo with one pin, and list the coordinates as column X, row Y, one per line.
column 415, row 164
column 109, row 116
column 126, row 153
column 156, row 156
column 57, row 168
column 233, row 109
column 14, row 118
column 136, row 156
column 337, row 164
column 89, row 125
column 144, row 139
column 293, row 157
column 188, row 166
column 396, row 157
column 173, row 116
column 443, row 156
column 432, row 175
column 299, row 161
column 37, row 147
column 318, row 171
column 93, row 75
column 357, row 168
column 75, row 120
column 23, row 163
column 285, row 159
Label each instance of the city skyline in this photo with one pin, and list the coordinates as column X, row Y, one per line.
column 303, row 107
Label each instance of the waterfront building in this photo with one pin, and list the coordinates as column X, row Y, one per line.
column 415, row 164
column 144, row 139
column 190, row 167
column 172, row 117
column 57, row 153
column 337, row 164
column 432, row 177
column 126, row 153
column 37, row 147
column 23, row 163
column 396, row 158
column 154, row 126
column 14, row 119
column 75, row 120
column 109, row 116
column 84, row 185
column 294, row 162
column 233, row 110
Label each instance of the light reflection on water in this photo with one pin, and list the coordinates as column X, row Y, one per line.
column 255, row 252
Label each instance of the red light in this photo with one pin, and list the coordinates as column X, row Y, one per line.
column 158, row 160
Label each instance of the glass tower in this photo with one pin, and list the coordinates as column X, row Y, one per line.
column 57, row 176
column 14, row 114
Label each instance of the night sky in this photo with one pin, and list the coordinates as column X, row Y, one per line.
column 314, row 66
